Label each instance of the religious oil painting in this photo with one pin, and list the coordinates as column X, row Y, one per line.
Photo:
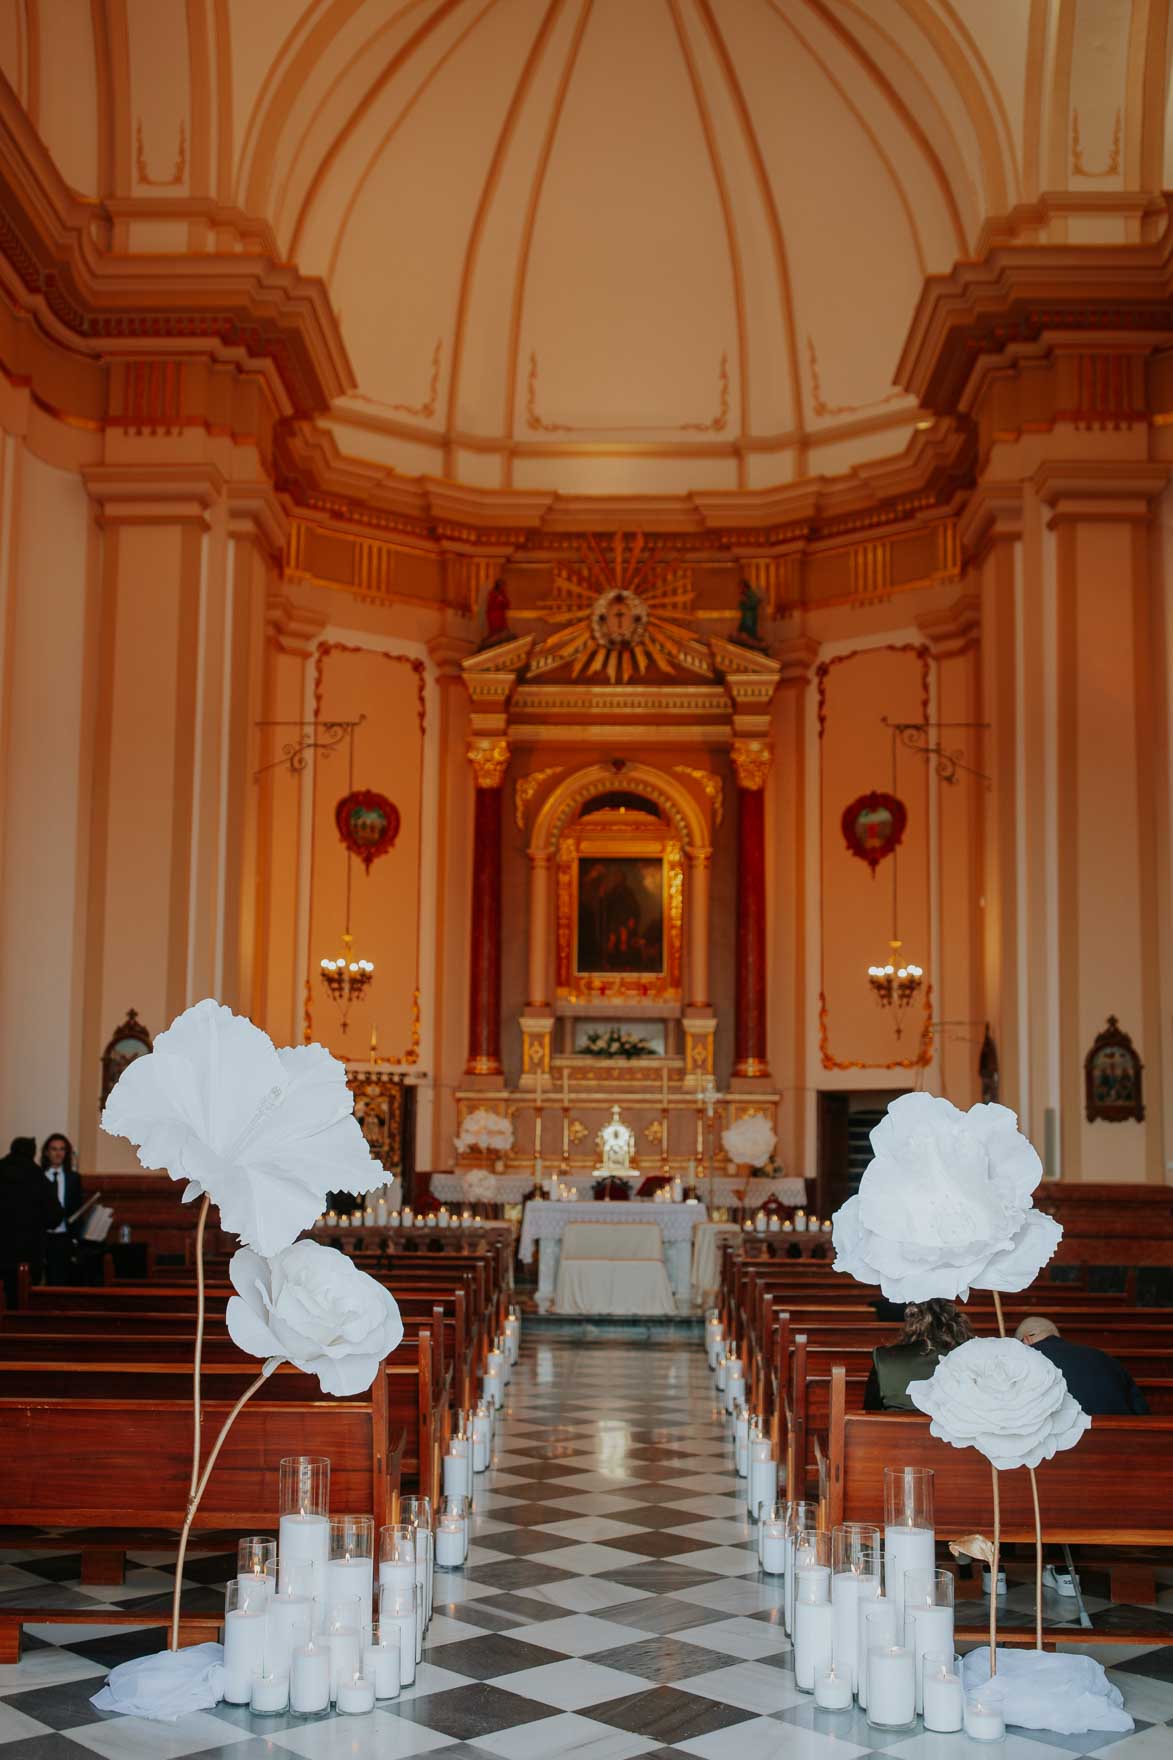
column 621, row 914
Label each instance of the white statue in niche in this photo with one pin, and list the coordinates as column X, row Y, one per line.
column 616, row 1143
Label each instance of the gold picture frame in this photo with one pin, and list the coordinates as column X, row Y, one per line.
column 613, row 849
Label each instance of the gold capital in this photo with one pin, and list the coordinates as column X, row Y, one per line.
column 489, row 758
column 751, row 762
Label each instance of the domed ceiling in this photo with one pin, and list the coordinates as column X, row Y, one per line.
column 603, row 246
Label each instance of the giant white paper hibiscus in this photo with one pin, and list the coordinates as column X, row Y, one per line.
column 312, row 1306
column 946, row 1204
column 265, row 1133
column 1002, row 1398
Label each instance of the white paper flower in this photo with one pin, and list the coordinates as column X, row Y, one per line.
column 480, row 1186
column 312, row 1306
column 485, row 1130
column 265, row 1133
column 1002, row 1398
column 945, row 1206
column 750, row 1142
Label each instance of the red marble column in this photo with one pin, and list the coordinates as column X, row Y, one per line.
column 751, row 762
column 489, row 759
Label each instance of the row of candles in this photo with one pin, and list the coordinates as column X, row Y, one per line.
column 801, row 1224
column 870, row 1615
column 299, row 1634
column 379, row 1216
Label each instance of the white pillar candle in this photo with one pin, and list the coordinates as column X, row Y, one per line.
column 397, row 1574
column 291, row 1624
column 813, row 1641
column 906, row 1549
column 983, row 1722
column 449, row 1544
column 244, row 1652
column 309, row 1680
column 927, row 1630
column 494, row 1388
column 944, row 1701
column 734, row 1386
column 741, row 1443
column 772, row 1547
column 788, row 1585
column 356, row 1696
column 481, row 1442
column 305, row 1537
column 846, row 1588
column 878, row 1628
column 832, row 1691
column 423, row 1594
column 404, row 1625
column 763, row 1478
column 455, row 1474
column 345, row 1656
column 716, row 1348
column 350, row 1579
column 722, row 1371
column 891, row 1687
column 380, row 1665
column 270, row 1693
column 868, row 1600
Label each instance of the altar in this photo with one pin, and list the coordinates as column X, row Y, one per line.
column 545, row 1223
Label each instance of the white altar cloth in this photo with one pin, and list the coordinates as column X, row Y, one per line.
column 544, row 1224
column 508, row 1188
column 613, row 1268
column 786, row 1188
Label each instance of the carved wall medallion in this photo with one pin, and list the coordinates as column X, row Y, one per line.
column 1113, row 1074
column 873, row 824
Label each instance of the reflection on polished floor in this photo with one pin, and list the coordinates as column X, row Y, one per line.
column 611, row 1606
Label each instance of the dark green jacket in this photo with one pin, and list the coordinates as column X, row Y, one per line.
column 894, row 1366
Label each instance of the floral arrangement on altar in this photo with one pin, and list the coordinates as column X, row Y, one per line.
column 264, row 1134
column 750, row 1142
column 480, row 1186
column 616, row 1042
column 946, row 1206
column 488, row 1131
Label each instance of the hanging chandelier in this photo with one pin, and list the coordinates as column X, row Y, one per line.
column 346, row 978
column 897, row 983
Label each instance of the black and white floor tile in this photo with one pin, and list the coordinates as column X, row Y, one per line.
column 611, row 1607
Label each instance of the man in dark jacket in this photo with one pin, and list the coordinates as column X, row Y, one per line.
column 1096, row 1381
column 28, row 1209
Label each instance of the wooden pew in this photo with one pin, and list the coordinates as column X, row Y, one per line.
column 1114, row 1489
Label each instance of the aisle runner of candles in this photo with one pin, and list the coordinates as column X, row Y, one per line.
column 869, row 1614
column 307, row 1626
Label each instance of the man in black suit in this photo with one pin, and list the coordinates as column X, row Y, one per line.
column 65, row 1182
column 28, row 1209
column 1096, row 1381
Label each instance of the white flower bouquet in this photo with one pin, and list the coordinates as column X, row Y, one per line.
column 750, row 1141
column 616, row 1042
column 491, row 1132
column 480, row 1186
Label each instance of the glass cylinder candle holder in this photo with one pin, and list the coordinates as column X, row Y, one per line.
column 832, row 1690
column 891, row 1685
column 397, row 1614
column 451, row 1534
column 772, row 1540
column 984, row 1721
column 270, row 1685
column 762, row 1477
column 740, row 1440
column 309, row 1679
column 380, row 1661
column 872, row 1601
column 800, row 1515
column 256, row 1556
column 417, row 1511
column 928, row 1619
column 290, row 1613
column 350, row 1570
column 909, row 1540
column 482, row 1437
column 855, row 1551
column 458, row 1467
column 355, row 1696
column 345, row 1630
column 245, row 1608
column 944, row 1700
column 813, row 1617
column 303, row 1530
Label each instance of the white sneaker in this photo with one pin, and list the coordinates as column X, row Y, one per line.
column 986, row 1580
column 1059, row 1578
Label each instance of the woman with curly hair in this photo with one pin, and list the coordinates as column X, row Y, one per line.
column 931, row 1330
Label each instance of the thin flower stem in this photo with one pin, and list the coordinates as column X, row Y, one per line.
column 994, row 1574
column 1034, row 1491
column 199, row 1346
column 193, row 1503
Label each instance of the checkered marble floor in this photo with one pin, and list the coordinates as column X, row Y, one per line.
column 611, row 1607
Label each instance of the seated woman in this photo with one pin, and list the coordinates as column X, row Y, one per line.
column 931, row 1330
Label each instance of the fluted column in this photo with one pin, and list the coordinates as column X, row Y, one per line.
column 751, row 763
column 489, row 758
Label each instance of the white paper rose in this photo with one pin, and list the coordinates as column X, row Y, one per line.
column 750, row 1141
column 945, row 1205
column 265, row 1133
column 485, row 1130
column 1002, row 1398
column 310, row 1305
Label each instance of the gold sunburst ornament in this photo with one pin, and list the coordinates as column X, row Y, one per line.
column 619, row 610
